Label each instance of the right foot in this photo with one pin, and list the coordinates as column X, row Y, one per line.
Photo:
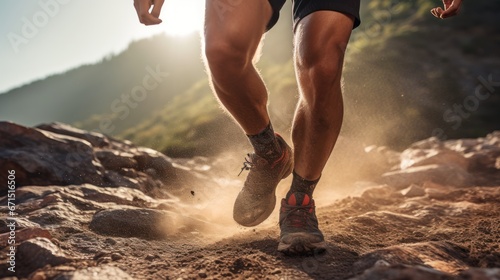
column 257, row 199
column 299, row 226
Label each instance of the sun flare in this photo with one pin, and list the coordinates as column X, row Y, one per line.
column 183, row 17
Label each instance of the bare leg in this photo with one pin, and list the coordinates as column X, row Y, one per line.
column 320, row 42
column 233, row 31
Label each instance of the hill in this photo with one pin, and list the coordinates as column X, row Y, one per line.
column 111, row 86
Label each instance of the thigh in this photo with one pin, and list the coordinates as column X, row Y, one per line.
column 238, row 23
column 321, row 37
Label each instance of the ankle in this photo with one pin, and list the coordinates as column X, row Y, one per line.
column 265, row 143
column 301, row 185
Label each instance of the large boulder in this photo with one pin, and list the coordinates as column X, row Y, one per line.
column 58, row 154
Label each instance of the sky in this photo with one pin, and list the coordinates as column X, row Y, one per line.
column 43, row 37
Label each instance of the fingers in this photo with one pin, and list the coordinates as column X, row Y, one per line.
column 437, row 12
column 142, row 7
column 451, row 9
column 158, row 4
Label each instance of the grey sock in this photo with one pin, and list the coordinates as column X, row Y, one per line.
column 301, row 185
column 265, row 143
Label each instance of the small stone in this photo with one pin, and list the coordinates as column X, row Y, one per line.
column 99, row 255
column 202, row 275
column 276, row 271
column 110, row 241
column 150, row 257
column 381, row 263
column 116, row 257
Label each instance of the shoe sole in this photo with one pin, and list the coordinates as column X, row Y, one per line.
column 301, row 245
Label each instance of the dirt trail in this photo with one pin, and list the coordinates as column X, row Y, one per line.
column 448, row 229
column 430, row 212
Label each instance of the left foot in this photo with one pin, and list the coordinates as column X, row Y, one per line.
column 257, row 199
column 299, row 226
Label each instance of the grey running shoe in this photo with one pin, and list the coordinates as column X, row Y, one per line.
column 257, row 199
column 299, row 226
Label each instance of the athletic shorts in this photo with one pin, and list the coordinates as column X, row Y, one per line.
column 302, row 8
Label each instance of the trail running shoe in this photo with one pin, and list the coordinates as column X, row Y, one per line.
column 257, row 199
column 299, row 226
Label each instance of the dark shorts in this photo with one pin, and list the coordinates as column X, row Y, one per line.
column 302, row 8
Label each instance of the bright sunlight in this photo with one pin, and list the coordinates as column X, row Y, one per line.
column 182, row 17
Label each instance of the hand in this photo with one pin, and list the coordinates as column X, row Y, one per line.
column 451, row 8
column 145, row 17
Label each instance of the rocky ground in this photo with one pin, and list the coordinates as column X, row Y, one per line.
column 91, row 207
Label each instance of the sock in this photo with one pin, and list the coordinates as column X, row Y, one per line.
column 265, row 143
column 301, row 186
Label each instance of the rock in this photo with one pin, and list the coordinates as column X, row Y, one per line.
column 45, row 158
column 378, row 160
column 480, row 274
column 420, row 157
column 94, row 138
column 380, row 194
column 133, row 222
column 25, row 234
column 413, row 191
column 21, row 222
column 115, row 160
column 149, row 158
column 441, row 174
column 39, row 252
column 463, row 146
column 58, row 154
column 116, row 257
column 442, row 256
column 95, row 273
column 429, row 143
column 276, row 271
column 399, row 271
column 150, row 257
column 482, row 160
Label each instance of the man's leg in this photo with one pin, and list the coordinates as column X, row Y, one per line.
column 232, row 36
column 233, row 31
column 320, row 42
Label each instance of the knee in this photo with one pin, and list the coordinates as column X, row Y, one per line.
column 225, row 55
column 322, row 64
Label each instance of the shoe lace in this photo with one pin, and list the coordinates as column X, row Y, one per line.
column 247, row 164
column 297, row 216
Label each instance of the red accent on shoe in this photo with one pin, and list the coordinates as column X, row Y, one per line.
column 306, row 200
column 283, row 155
column 292, row 200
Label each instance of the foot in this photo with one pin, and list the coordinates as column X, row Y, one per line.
column 257, row 199
column 299, row 226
